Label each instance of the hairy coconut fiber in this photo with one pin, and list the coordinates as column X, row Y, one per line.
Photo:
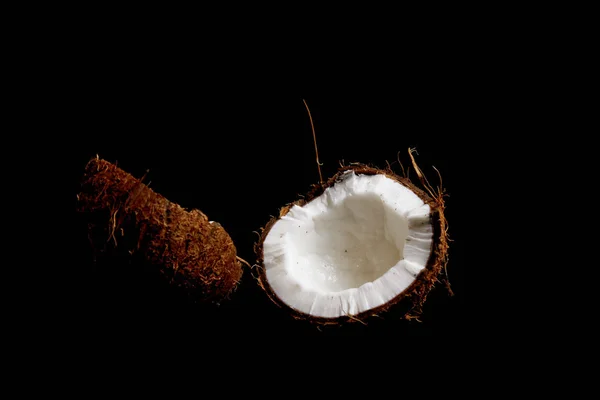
column 191, row 252
column 408, row 303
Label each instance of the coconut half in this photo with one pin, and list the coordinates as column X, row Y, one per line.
column 354, row 246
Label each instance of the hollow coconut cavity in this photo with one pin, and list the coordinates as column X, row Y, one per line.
column 354, row 246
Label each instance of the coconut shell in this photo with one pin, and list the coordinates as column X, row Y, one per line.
column 190, row 252
column 411, row 300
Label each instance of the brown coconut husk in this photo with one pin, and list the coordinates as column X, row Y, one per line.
column 412, row 297
column 122, row 212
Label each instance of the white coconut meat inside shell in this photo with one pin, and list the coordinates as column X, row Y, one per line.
column 354, row 248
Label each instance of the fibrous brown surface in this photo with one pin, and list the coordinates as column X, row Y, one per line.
column 412, row 297
column 192, row 253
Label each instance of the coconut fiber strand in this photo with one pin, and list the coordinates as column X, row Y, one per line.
column 191, row 252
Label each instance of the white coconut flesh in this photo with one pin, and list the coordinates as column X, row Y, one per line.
column 355, row 247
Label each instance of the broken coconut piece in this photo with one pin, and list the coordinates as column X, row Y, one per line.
column 191, row 252
column 354, row 246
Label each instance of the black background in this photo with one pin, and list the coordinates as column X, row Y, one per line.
column 218, row 120
column 238, row 149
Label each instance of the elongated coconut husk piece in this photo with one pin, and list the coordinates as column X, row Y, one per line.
column 191, row 252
